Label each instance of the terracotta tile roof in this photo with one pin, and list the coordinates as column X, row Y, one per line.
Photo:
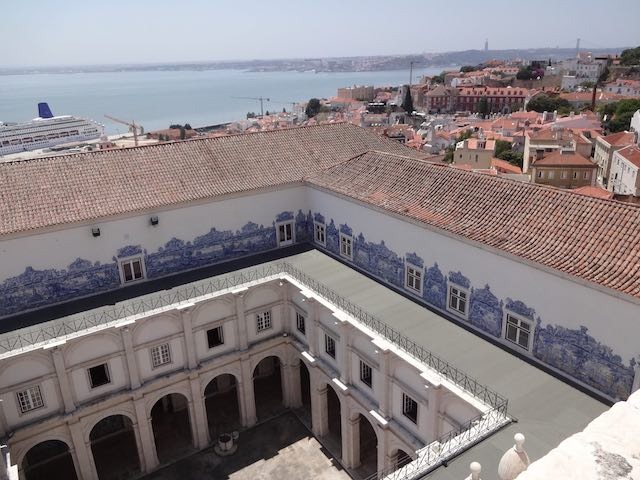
column 631, row 154
column 504, row 166
column 595, row 192
column 592, row 239
column 619, row 139
column 560, row 159
column 60, row 190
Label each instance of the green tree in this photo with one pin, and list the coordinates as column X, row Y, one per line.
column 631, row 56
column 502, row 146
column 483, row 107
column 284, row 110
column 624, row 110
column 448, row 154
column 183, row 133
column 187, row 126
column 438, row 78
column 313, row 108
column 513, row 158
column 545, row 103
column 467, row 68
column 407, row 102
column 251, row 115
column 524, row 74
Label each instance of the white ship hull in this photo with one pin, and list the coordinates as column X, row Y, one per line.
column 46, row 132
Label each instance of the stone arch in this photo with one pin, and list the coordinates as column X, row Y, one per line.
column 142, row 324
column 252, row 292
column 171, row 424
column 38, row 356
column 61, row 434
column 275, row 352
column 114, row 338
column 268, row 383
column 222, row 403
column 179, row 389
column 114, row 436
column 98, row 417
column 196, row 310
column 207, row 377
column 59, row 459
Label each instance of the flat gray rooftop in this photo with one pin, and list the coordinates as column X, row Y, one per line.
column 547, row 409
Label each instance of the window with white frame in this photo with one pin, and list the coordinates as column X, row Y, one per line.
column 285, row 234
column 409, row 408
column 160, row 355
column 215, row 337
column 413, row 278
column 300, row 323
column 131, row 269
column 458, row 300
column 263, row 321
column 366, row 374
column 330, row 346
column 518, row 331
column 346, row 246
column 30, row 399
column 319, row 234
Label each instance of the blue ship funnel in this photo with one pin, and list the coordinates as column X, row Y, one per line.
column 44, row 111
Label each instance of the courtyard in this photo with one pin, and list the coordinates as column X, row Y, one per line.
column 282, row 448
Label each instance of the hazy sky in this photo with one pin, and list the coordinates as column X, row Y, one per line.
column 70, row 32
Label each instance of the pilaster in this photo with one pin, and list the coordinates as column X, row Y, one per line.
column 345, row 353
column 313, row 312
column 63, row 380
column 285, row 296
column 85, row 468
column 190, row 346
column 295, row 386
column 350, row 437
column 385, row 385
column 241, row 321
column 147, row 441
column 246, row 392
column 132, row 363
column 201, row 435
column 319, row 404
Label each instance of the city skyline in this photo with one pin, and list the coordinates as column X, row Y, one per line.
column 85, row 34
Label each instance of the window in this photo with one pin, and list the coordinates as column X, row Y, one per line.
column 575, row 175
column 330, row 345
column 215, row 337
column 518, row 331
column 458, row 300
column 586, row 175
column 285, row 234
column 132, row 270
column 413, row 279
column 366, row 374
column 263, row 321
column 540, row 175
column 160, row 355
column 300, row 323
column 99, row 375
column 551, row 174
column 30, row 399
column 563, row 175
column 319, row 233
column 346, row 246
column 409, row 408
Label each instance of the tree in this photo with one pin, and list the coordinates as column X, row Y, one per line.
column 630, row 56
column 502, row 146
column 407, row 103
column 313, row 108
column 624, row 110
column 284, row 110
column 483, row 106
column 251, row 115
column 267, row 113
column 467, row 68
column 524, row 74
column 438, row 78
column 545, row 103
column 187, row 126
column 512, row 157
column 183, row 133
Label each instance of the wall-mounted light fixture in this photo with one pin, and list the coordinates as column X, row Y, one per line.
column 95, row 231
column 154, row 220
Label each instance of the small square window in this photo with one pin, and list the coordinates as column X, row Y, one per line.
column 330, row 346
column 366, row 374
column 346, row 246
column 99, row 375
column 132, row 270
column 413, row 280
column 458, row 300
column 586, row 175
column 30, row 399
column 263, row 321
column 410, row 408
column 518, row 331
column 300, row 323
column 160, row 355
column 319, row 234
column 215, row 337
column 285, row 234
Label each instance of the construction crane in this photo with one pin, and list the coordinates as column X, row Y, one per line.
column 293, row 104
column 260, row 99
column 133, row 128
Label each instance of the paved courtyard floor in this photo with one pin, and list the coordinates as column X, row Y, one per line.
column 281, row 448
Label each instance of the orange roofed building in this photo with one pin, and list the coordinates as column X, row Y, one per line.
column 564, row 169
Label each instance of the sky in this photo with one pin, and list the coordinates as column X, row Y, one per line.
column 90, row 32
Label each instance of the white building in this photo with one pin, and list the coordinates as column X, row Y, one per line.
column 624, row 178
column 605, row 146
column 109, row 237
column 628, row 88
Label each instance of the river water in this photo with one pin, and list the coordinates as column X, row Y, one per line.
column 157, row 99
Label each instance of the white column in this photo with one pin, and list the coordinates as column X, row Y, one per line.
column 319, row 404
column 384, row 460
column 140, row 452
column 345, row 353
column 286, row 307
column 147, row 440
column 185, row 314
column 246, row 392
column 350, row 437
column 241, row 322
column 63, row 380
column 85, row 466
column 132, row 363
column 384, row 359
column 295, row 387
column 201, row 438
column 312, row 327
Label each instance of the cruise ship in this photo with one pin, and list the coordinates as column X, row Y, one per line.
column 46, row 131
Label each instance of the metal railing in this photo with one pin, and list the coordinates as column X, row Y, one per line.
column 448, row 446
